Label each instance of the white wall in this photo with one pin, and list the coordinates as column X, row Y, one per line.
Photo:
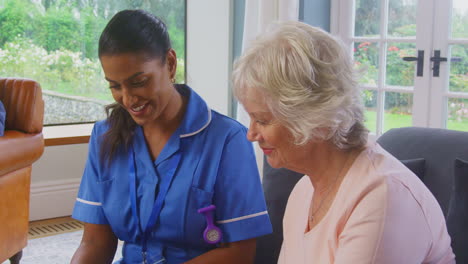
column 56, row 176
column 55, row 180
column 209, row 49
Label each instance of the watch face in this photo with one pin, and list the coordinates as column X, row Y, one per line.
column 213, row 235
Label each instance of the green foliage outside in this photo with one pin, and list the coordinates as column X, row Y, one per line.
column 55, row 41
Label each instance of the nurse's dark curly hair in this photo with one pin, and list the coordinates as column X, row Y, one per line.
column 129, row 31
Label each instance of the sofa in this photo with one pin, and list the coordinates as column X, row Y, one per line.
column 432, row 155
column 21, row 145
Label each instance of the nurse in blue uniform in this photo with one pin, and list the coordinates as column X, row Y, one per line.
column 173, row 179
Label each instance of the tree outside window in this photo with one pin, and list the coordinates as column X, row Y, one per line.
column 55, row 42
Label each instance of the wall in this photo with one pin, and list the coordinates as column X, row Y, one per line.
column 55, row 180
column 209, row 30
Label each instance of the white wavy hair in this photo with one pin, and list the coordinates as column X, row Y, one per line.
column 307, row 79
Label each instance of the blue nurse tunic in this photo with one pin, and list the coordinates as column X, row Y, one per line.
column 217, row 166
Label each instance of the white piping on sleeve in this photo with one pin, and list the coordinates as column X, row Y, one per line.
column 199, row 130
column 88, row 202
column 242, row 218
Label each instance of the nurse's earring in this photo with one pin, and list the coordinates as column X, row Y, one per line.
column 172, row 80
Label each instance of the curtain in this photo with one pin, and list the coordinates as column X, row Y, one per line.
column 258, row 15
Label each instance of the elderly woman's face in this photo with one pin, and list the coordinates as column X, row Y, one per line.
column 273, row 138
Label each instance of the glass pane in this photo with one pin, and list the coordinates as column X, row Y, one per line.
column 402, row 18
column 370, row 103
column 460, row 19
column 366, row 61
column 400, row 72
column 398, row 108
column 458, row 68
column 457, row 114
column 56, row 42
column 367, row 18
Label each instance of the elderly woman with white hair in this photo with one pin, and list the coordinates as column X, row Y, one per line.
column 356, row 202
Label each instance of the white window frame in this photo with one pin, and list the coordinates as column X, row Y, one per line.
column 428, row 111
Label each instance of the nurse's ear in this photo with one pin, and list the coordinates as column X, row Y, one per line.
column 171, row 63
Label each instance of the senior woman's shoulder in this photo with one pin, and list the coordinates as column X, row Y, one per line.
column 385, row 165
column 375, row 171
column 399, row 184
column 408, row 206
column 383, row 168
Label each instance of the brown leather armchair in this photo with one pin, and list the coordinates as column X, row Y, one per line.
column 21, row 145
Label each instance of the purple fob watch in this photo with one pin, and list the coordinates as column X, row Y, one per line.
column 212, row 233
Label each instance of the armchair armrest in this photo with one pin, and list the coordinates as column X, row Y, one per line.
column 19, row 150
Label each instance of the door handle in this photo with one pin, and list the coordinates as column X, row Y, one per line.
column 437, row 59
column 420, row 62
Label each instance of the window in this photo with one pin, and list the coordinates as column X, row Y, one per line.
column 55, row 42
column 414, row 60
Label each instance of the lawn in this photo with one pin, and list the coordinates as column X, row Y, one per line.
column 400, row 120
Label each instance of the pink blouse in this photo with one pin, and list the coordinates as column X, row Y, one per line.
column 382, row 213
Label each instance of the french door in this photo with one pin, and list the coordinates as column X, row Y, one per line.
column 412, row 56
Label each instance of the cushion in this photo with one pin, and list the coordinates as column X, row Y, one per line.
column 2, row 119
column 457, row 217
column 417, row 166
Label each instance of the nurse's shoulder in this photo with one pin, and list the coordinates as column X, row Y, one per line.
column 222, row 124
column 99, row 128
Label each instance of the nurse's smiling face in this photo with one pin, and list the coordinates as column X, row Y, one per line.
column 142, row 86
column 274, row 139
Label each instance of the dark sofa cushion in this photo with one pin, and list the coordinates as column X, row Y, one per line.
column 417, row 166
column 457, row 218
column 2, row 119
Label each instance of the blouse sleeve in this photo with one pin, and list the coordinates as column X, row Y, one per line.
column 240, row 205
column 88, row 204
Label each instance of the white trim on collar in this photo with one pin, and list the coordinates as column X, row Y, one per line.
column 199, row 130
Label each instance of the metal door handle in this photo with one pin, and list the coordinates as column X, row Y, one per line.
column 420, row 62
column 437, row 59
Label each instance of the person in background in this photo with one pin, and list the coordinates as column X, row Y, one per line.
column 356, row 202
column 174, row 180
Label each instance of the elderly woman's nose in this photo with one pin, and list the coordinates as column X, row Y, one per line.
column 252, row 135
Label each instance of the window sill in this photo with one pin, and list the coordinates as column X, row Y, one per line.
column 67, row 135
